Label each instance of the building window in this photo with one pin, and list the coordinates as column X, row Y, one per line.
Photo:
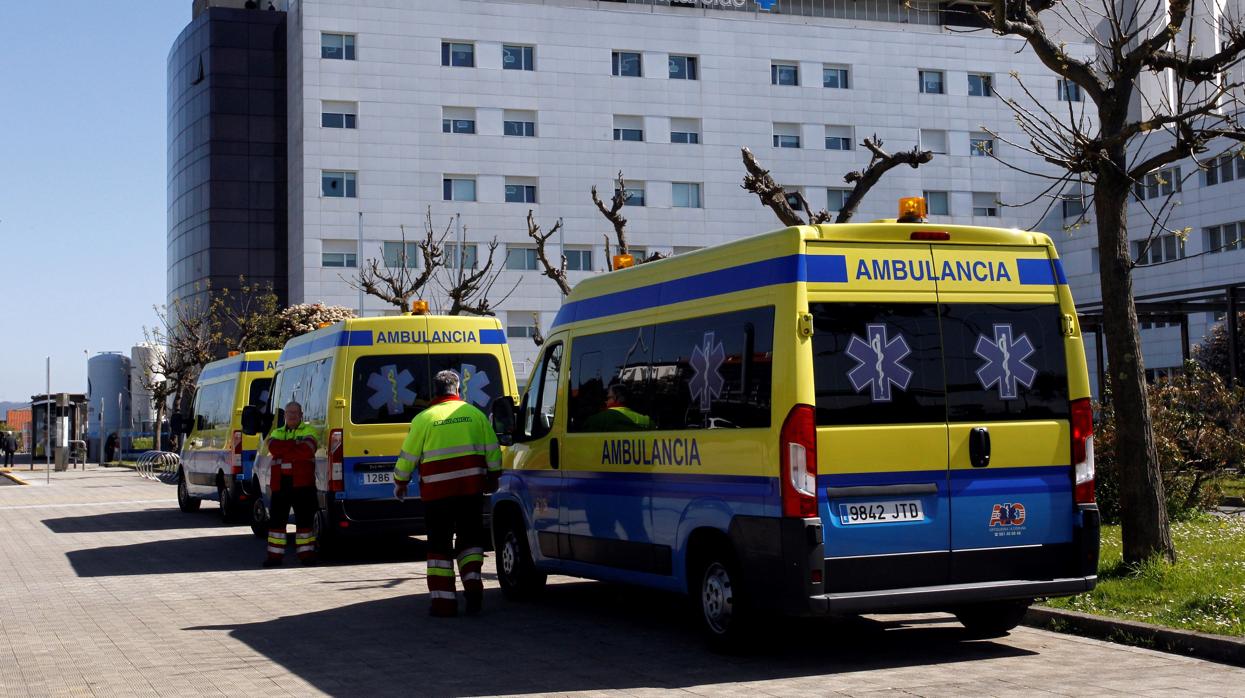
column 638, row 252
column 784, row 74
column 338, row 184
column 519, row 324
column 685, row 195
column 931, row 82
column 337, row 46
column 458, row 189
column 834, row 77
column 521, row 259
column 338, row 114
column 794, row 196
column 1163, row 182
column 578, row 259
column 518, row 57
column 936, row 203
column 1225, row 238
column 458, row 120
column 985, row 204
column 838, row 138
column 467, row 256
column 683, row 68
column 519, row 123
column 1163, row 248
column 627, row 64
column 980, row 85
column 1073, row 205
column 338, row 253
column 1069, row 91
column 520, row 192
column 633, row 196
column 786, row 135
column 458, row 55
column 934, row 140
column 980, row 144
column 401, row 254
column 836, row 199
column 685, row 131
column 1220, row 170
column 628, row 128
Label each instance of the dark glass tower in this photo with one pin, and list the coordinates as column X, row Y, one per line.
column 227, row 152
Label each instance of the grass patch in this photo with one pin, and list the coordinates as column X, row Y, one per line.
column 1202, row 591
column 1232, row 485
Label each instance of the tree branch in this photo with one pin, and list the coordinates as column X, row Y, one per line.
column 880, row 162
column 758, row 181
column 558, row 273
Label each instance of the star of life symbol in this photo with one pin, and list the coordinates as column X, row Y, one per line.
column 474, row 383
column 1005, row 362
column 878, row 362
column 707, row 363
column 391, row 389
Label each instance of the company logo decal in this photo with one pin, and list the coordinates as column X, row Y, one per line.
column 879, row 363
column 1005, row 362
column 1007, row 519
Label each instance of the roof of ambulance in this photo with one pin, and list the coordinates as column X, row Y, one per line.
column 792, row 240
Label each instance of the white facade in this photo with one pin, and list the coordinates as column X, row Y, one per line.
column 399, row 92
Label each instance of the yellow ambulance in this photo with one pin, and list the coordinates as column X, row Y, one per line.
column 360, row 382
column 217, row 459
column 833, row 419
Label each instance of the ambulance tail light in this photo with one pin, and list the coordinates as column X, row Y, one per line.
column 1083, row 450
column 799, row 463
column 236, row 464
column 336, row 480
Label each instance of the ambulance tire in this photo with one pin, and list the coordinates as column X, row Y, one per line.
column 326, row 546
column 718, row 602
column 516, row 571
column 185, row 502
column 994, row 619
column 259, row 517
column 228, row 505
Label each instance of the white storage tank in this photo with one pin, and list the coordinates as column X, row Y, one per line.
column 108, row 384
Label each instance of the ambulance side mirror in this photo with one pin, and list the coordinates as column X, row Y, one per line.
column 503, row 419
column 250, row 420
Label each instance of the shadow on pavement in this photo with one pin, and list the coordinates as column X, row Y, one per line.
column 165, row 519
column 578, row 636
column 222, row 553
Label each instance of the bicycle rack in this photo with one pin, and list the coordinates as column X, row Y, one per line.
column 160, row 466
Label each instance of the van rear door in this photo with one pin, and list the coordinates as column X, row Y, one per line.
column 881, row 416
column 1009, row 438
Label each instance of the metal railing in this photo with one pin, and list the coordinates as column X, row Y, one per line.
column 158, row 465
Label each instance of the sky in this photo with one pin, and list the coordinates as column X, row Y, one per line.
column 82, row 182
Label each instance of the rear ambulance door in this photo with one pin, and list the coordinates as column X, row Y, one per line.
column 1008, row 413
column 881, row 416
column 388, row 384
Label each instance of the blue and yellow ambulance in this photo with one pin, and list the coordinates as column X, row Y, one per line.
column 217, row 458
column 833, row 419
column 360, row 382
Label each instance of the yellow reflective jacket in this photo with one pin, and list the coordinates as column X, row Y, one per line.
column 453, row 445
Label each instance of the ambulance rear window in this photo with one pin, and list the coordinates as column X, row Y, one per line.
column 392, row 389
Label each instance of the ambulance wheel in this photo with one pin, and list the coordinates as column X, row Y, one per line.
column 516, row 572
column 259, row 518
column 994, row 619
column 185, row 502
column 718, row 601
column 228, row 505
column 320, row 528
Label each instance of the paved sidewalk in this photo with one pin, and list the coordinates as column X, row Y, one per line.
column 107, row 589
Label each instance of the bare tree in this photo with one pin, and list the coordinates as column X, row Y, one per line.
column 556, row 273
column 613, row 214
column 186, row 335
column 468, row 290
column 396, row 286
column 1133, row 132
column 773, row 196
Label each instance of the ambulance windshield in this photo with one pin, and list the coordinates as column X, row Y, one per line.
column 394, row 388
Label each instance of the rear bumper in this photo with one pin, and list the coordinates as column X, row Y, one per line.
column 946, row 596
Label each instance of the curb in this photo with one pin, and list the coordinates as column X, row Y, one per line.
column 14, row 478
column 1218, row 648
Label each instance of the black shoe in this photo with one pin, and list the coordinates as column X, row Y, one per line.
column 475, row 602
column 272, row 562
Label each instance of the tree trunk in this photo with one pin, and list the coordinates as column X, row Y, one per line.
column 1143, row 514
column 155, row 444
